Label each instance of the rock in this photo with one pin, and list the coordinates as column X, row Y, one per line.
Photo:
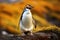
column 35, row 36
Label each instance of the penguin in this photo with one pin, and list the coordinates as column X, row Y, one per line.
column 26, row 21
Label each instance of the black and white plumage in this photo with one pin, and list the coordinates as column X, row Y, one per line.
column 26, row 21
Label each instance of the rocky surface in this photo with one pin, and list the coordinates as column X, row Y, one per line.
column 36, row 36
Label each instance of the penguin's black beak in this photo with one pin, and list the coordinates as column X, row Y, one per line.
column 29, row 6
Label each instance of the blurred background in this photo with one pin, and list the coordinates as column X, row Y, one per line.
column 46, row 13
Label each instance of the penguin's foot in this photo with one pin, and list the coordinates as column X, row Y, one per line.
column 23, row 34
column 28, row 33
column 31, row 33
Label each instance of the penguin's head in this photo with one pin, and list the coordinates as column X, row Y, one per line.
column 29, row 6
column 26, row 11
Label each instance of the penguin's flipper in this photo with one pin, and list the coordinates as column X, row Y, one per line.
column 34, row 23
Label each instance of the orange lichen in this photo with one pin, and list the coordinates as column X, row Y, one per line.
column 10, row 14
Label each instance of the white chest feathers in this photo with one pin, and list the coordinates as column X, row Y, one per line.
column 26, row 22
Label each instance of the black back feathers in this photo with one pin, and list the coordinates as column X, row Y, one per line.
column 22, row 14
